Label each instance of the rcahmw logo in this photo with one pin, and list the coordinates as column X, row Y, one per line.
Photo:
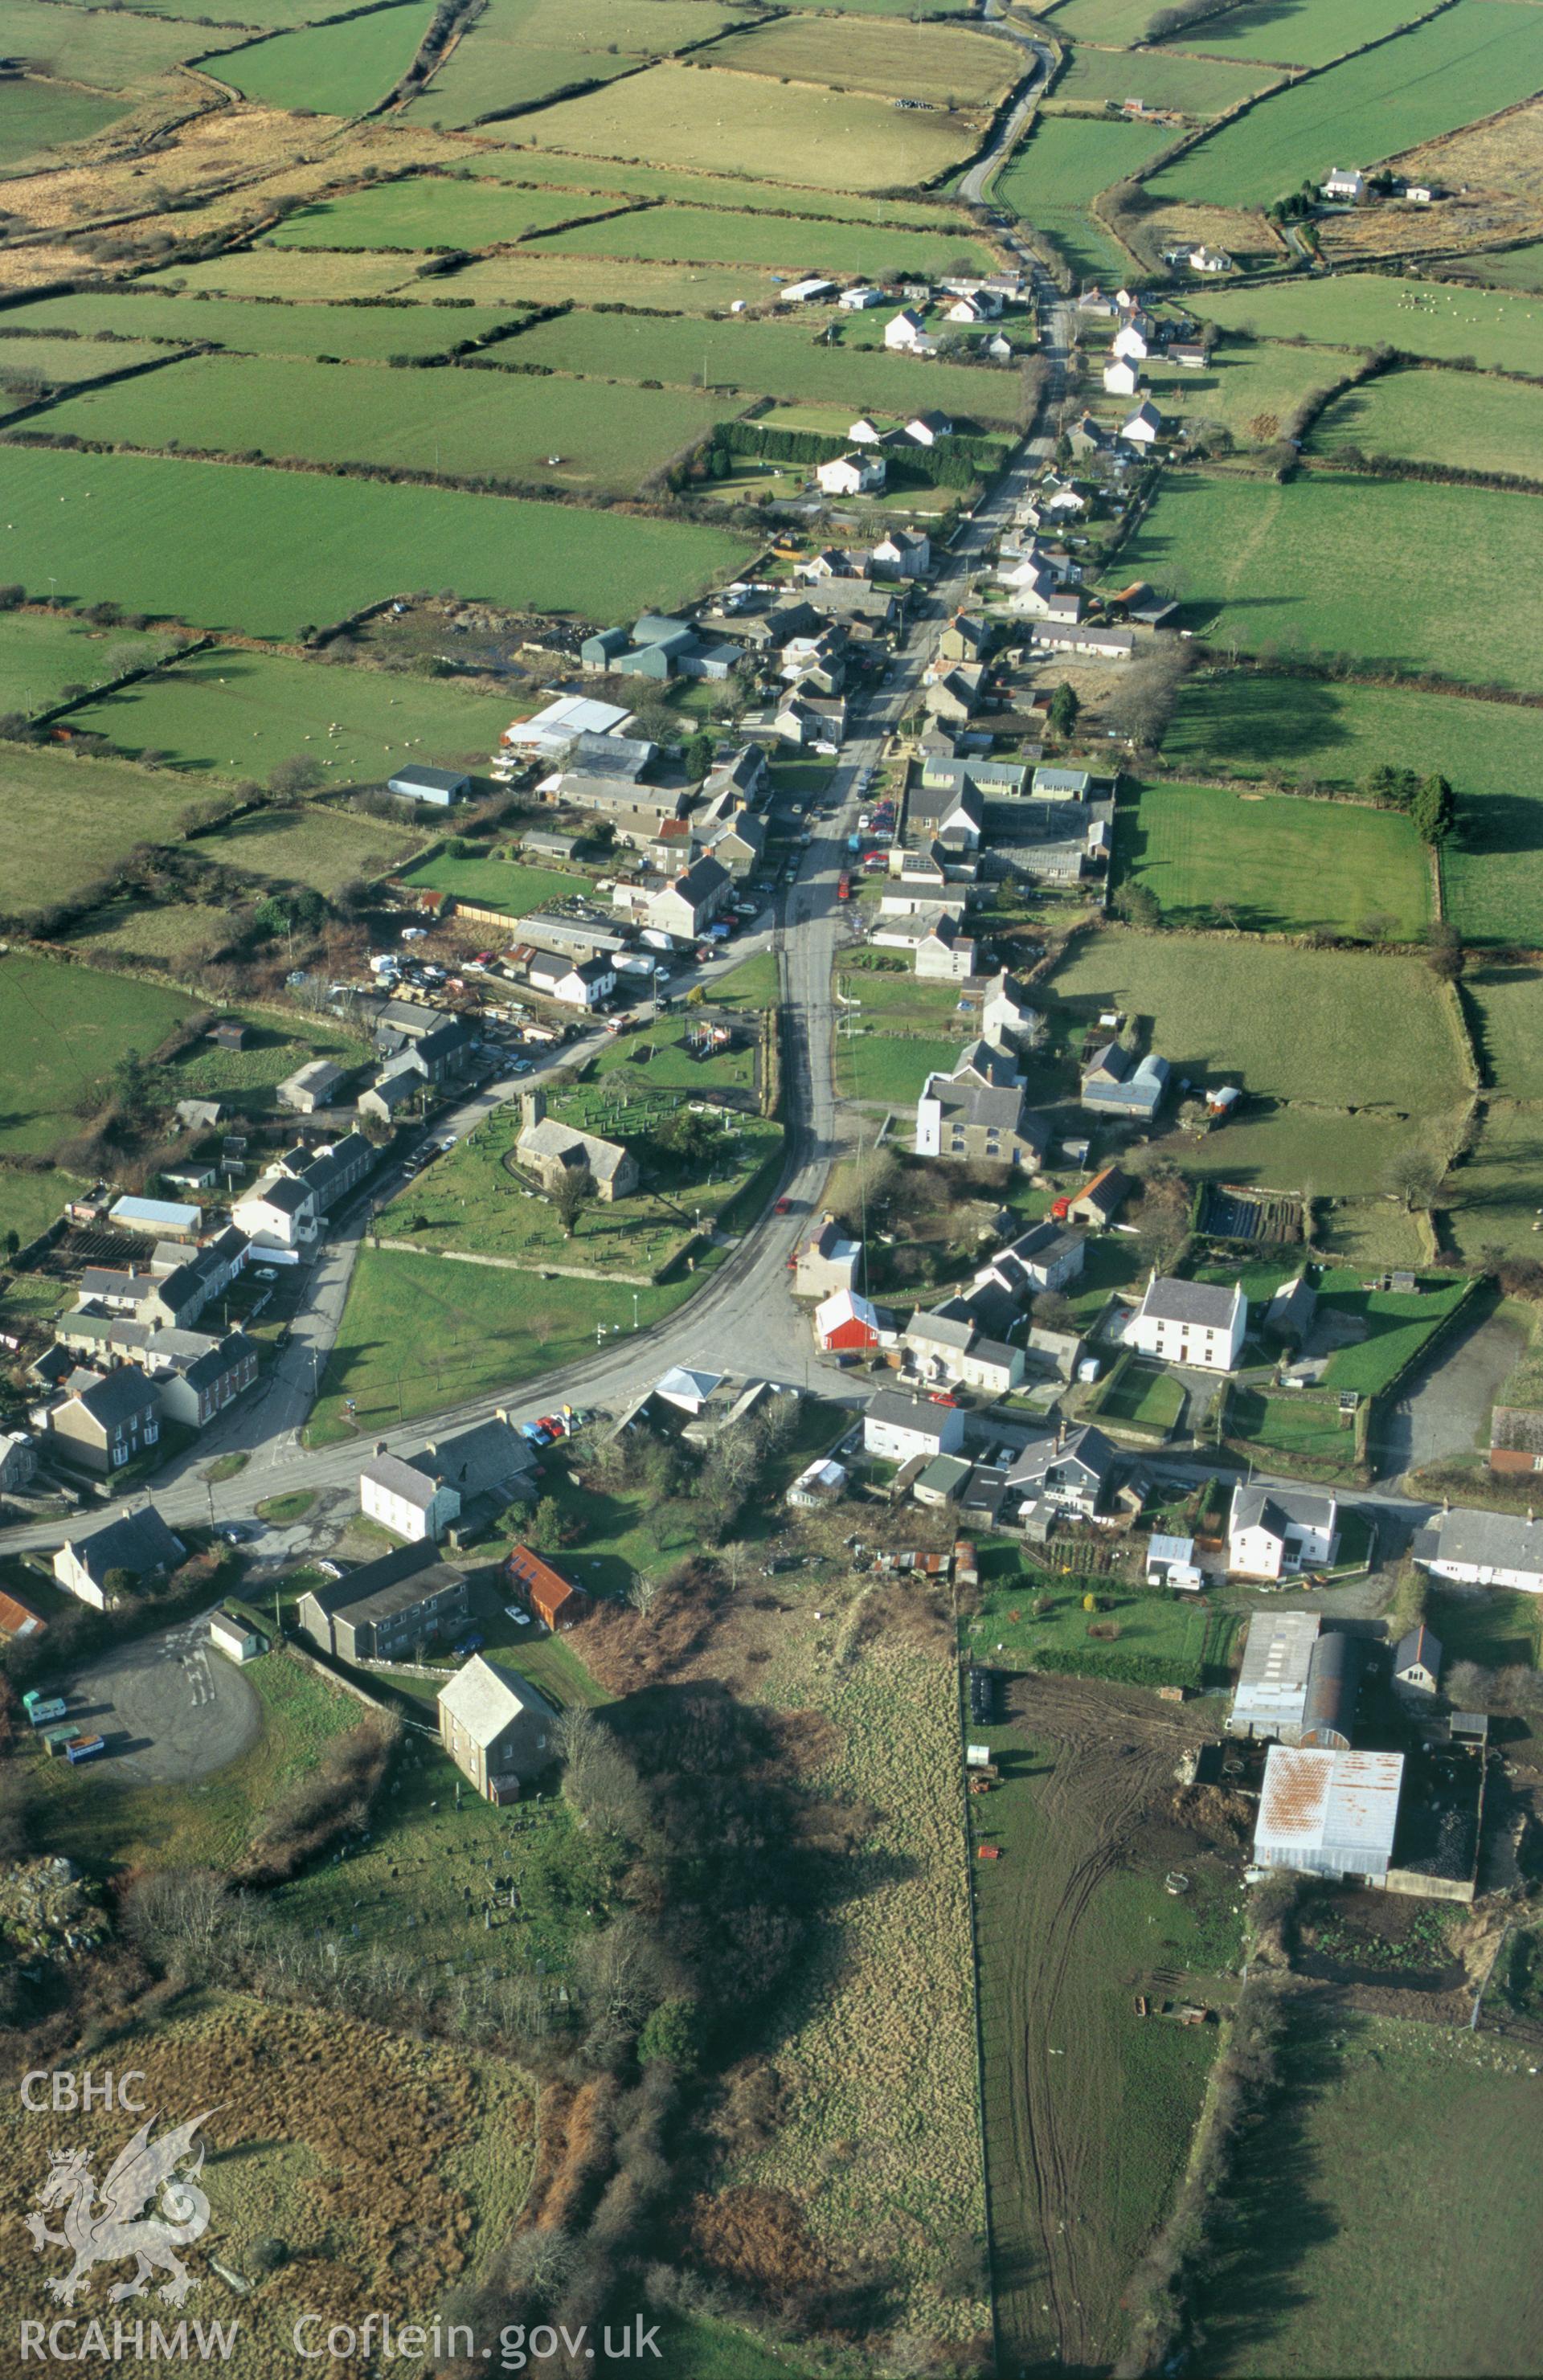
column 145, row 2207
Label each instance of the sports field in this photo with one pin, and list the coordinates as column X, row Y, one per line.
column 41, row 653
column 62, row 1030
column 365, row 333
column 1462, row 420
column 1363, row 1030
column 225, row 546
column 1395, row 573
column 464, row 425
column 1275, row 864
column 65, row 823
column 1473, row 58
column 62, row 362
column 1064, row 163
column 1381, row 2125
column 940, row 62
column 680, row 116
column 1295, row 32
column 762, row 358
column 1370, row 310
column 342, row 70
column 317, row 845
column 430, row 210
column 795, row 244
column 1196, row 86
column 233, row 713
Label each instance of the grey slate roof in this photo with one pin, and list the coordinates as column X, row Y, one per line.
column 1201, row 1303
column 1485, row 1540
column 1273, row 1507
column 137, row 1541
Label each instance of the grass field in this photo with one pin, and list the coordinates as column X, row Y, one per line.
column 466, row 424
column 342, row 70
column 240, row 713
column 684, row 117
column 97, row 50
column 930, row 62
column 1395, row 573
column 1278, row 864
column 62, row 362
column 37, row 118
column 62, row 1028
column 430, row 210
column 1505, row 1000
column 42, row 653
column 1458, row 420
column 1295, row 32
column 608, row 175
column 1477, row 56
column 762, row 358
column 676, row 233
column 1066, row 161
column 1395, row 1324
column 417, row 1335
column 28, row 1203
column 532, row 276
column 177, row 933
column 1368, row 310
column 322, row 847
column 904, row 1032
column 1198, row 86
column 519, row 51
column 368, row 333
column 1512, row 267
column 502, row 883
column 248, row 1078
column 752, row 984
column 1171, row 1627
column 295, row 275
column 1363, row 1031
column 268, row 550
column 1374, row 2115
column 1115, row 21
column 65, row 823
column 1250, row 391
column 1492, row 1196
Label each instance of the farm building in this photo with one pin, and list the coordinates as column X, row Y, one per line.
column 1328, row 1813
column 19, row 1620
column 441, row 787
column 1100, row 1200
column 1475, row 1549
column 1194, row 1323
column 496, row 1728
column 549, row 1597
column 1297, row 1684
column 1273, row 1532
column 1116, row 1081
column 167, row 1221
column 310, row 1087
column 1515, row 1439
column 1417, row 1664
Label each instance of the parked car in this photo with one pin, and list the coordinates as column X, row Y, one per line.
column 782, row 1207
column 472, row 1644
column 521, row 1618
column 267, row 1272
column 554, row 1424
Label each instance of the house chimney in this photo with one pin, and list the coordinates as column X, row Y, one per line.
column 430, row 1448
column 380, row 1446
column 501, row 1412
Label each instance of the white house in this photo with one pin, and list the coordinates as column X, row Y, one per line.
column 411, row 1503
column 1144, row 427
column 851, row 475
column 1122, row 376
column 1482, row 1548
column 896, row 1428
column 906, row 331
column 278, row 1212
column 585, row 985
column 906, row 552
column 864, row 431
column 1345, row 182
column 1210, row 260
column 1131, row 343
column 1272, row 1532
column 945, row 952
column 1190, row 1322
column 926, row 429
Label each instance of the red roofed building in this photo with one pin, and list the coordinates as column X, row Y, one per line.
column 548, row 1593
column 17, row 1621
column 846, row 1324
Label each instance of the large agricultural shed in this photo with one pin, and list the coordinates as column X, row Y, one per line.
column 1328, row 1813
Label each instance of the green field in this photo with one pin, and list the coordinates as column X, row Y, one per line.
column 1052, row 177
column 684, row 117
column 417, row 1335
column 1492, row 1196
column 761, row 359
column 1295, row 33
column 609, row 176
column 296, row 275
column 62, row 362
column 1505, row 1001
column 363, row 333
column 530, row 276
column 65, row 823
column 928, row 62
column 1171, row 1627
column 1381, row 2125
column 268, row 550
column 1395, row 1324
column 1196, row 86
column 1145, row 1396
column 1398, row 575
column 518, row 51
column 63, row 1028
column 38, row 117
column 28, row 1203
column 1370, row 310
column 342, row 70
column 228, row 712
column 97, row 49
column 317, row 845
column 430, row 210
column 676, row 233
column 903, row 1031
column 42, row 653
column 1474, row 57
column 1461, row 420
column 466, row 424
column 498, row 884
column 1251, row 391
column 179, row 934
column 248, row 1078
column 1277, row 864
column 1116, row 21
column 1512, row 268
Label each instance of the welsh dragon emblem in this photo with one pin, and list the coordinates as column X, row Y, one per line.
column 120, row 2226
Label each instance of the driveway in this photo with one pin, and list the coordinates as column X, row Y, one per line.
column 1446, row 1406
column 171, row 1708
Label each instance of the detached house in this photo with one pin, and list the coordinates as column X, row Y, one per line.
column 1194, row 1323
column 138, row 1543
column 107, row 1418
column 898, row 1428
column 907, row 332
column 1068, row 1472
column 496, row 1728
column 851, row 474
column 692, row 902
column 1273, row 1532
column 978, row 1124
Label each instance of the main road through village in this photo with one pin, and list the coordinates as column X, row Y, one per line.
column 742, row 1318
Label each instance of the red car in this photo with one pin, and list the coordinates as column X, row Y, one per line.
column 555, row 1423
column 782, row 1207
column 941, row 1397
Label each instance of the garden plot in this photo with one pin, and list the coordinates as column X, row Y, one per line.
column 494, row 883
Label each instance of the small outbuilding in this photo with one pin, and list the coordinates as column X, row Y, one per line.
column 441, row 787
